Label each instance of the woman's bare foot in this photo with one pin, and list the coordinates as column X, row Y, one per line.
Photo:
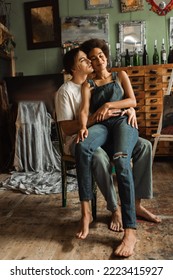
column 116, row 220
column 146, row 214
column 126, row 248
column 84, row 226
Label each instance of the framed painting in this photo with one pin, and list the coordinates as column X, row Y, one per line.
column 76, row 30
column 42, row 24
column 131, row 5
column 98, row 4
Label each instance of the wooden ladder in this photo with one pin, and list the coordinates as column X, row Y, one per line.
column 158, row 136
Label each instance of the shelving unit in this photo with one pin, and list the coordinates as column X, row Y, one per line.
column 150, row 84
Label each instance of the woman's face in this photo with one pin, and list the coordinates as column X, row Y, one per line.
column 98, row 59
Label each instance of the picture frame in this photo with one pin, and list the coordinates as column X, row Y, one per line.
column 132, row 34
column 43, row 25
column 98, row 4
column 131, row 5
column 171, row 31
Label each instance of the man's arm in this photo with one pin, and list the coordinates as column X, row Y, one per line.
column 71, row 127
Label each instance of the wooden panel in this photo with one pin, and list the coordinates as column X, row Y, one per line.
column 154, row 93
column 167, row 69
column 140, row 101
column 153, row 79
column 140, row 108
column 151, row 101
column 153, row 70
column 136, row 71
column 153, row 116
column 141, row 123
column 152, row 123
column 137, row 80
column 151, row 130
column 156, row 108
column 165, row 79
column 140, row 94
column 153, row 86
column 140, row 116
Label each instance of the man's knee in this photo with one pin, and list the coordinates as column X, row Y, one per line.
column 144, row 146
column 100, row 158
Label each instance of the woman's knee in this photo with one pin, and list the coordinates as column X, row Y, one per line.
column 81, row 147
column 121, row 161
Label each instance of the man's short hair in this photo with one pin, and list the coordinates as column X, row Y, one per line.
column 69, row 60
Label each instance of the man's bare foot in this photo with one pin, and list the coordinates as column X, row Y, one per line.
column 116, row 220
column 84, row 226
column 125, row 249
column 146, row 214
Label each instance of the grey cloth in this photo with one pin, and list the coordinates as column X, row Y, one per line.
column 33, row 147
column 36, row 160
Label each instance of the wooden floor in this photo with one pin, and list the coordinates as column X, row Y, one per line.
column 36, row 227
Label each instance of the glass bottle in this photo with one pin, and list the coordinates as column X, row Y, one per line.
column 155, row 55
column 145, row 55
column 170, row 56
column 135, row 57
column 163, row 53
column 127, row 58
column 118, row 56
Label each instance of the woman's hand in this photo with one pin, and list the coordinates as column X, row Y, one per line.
column 131, row 113
column 82, row 134
column 104, row 114
column 101, row 113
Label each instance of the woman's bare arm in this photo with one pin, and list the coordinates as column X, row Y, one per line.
column 128, row 101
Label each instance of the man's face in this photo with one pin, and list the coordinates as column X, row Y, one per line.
column 83, row 64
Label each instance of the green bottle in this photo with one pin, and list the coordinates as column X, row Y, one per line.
column 155, row 55
column 127, row 58
column 135, row 58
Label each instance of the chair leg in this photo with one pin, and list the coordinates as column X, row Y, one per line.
column 64, row 184
column 94, row 200
column 94, row 206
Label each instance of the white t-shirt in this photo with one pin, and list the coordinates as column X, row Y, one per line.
column 67, row 105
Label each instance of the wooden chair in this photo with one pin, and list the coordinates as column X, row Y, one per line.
column 67, row 164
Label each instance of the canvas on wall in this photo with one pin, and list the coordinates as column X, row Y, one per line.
column 75, row 30
column 167, row 122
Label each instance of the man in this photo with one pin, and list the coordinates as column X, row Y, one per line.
column 67, row 104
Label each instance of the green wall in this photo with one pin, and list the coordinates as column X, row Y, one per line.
column 44, row 61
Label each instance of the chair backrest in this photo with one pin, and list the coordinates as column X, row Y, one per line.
column 60, row 138
column 64, row 156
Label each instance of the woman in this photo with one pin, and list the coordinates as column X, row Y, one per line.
column 106, row 92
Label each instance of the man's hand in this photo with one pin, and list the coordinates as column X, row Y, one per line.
column 82, row 134
column 132, row 120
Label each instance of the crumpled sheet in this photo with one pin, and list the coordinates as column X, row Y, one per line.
column 36, row 160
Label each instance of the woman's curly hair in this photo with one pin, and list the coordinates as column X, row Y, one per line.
column 88, row 45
